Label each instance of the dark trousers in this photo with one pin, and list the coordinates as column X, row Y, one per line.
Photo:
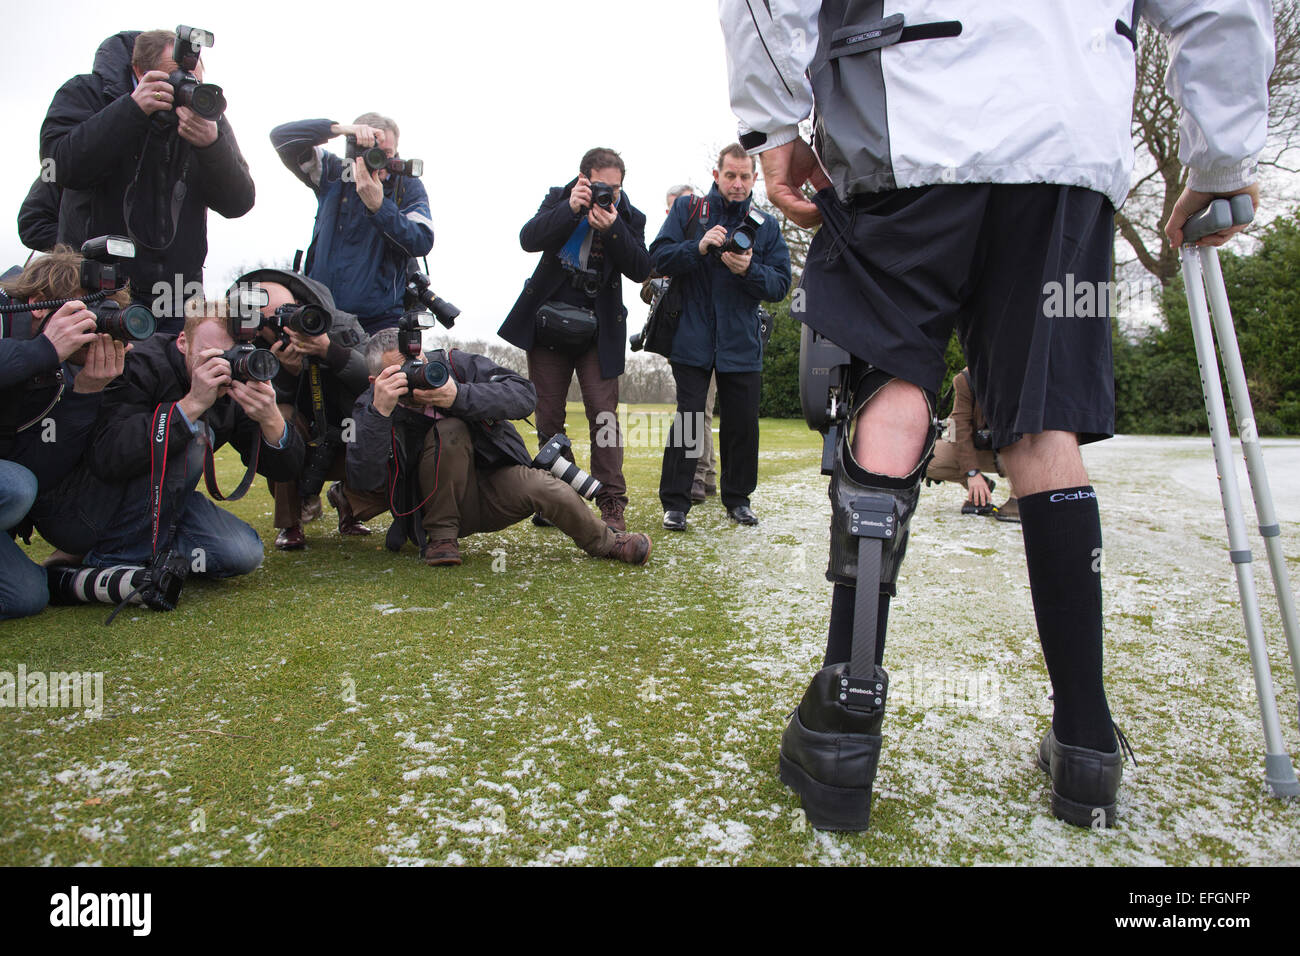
column 738, row 395
column 551, row 372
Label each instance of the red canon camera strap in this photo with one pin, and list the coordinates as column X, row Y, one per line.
column 162, row 424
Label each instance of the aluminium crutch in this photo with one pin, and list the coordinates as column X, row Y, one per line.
column 1202, row 277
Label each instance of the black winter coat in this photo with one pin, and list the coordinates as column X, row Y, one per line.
column 96, row 136
column 625, row 255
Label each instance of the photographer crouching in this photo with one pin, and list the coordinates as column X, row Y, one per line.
column 54, row 365
column 141, row 148
column 180, row 399
column 435, row 430
column 322, row 372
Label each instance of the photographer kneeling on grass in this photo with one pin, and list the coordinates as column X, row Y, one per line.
column 179, row 400
column 449, row 454
column 54, row 366
column 322, row 371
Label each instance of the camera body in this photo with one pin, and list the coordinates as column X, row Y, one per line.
column 420, row 373
column 586, row 281
column 419, row 294
column 248, row 363
column 602, row 195
column 131, row 324
column 376, row 159
column 426, row 374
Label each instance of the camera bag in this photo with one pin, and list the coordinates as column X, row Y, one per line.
column 565, row 328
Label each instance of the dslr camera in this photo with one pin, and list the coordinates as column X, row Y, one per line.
column 741, row 239
column 410, row 342
column 306, row 319
column 132, row 324
column 248, row 363
column 376, row 159
column 205, row 99
column 419, row 294
column 551, row 458
column 602, row 195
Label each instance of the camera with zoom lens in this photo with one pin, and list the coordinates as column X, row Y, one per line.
column 131, row 324
column 551, row 458
column 376, row 159
column 205, row 99
column 741, row 239
column 586, row 281
column 602, row 195
column 311, row 320
column 421, row 374
column 410, row 342
column 418, row 294
column 248, row 363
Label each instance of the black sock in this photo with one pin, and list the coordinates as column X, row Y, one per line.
column 1062, row 532
column 839, row 639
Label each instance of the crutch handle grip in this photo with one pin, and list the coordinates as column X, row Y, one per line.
column 1219, row 215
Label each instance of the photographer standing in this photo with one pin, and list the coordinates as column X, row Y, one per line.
column 369, row 224
column 722, row 280
column 131, row 164
column 570, row 317
column 321, row 374
column 53, row 371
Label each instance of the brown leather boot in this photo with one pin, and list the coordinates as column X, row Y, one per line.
column 611, row 512
column 631, row 548
column 348, row 523
column 291, row 539
column 439, row 553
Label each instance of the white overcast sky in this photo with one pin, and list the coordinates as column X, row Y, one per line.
column 499, row 99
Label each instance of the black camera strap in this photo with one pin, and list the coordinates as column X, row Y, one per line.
column 210, row 471
column 178, row 190
column 320, row 424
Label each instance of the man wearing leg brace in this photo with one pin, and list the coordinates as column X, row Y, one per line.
column 966, row 161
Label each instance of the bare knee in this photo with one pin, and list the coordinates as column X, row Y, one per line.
column 890, row 433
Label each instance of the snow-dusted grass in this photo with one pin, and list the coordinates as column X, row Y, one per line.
column 343, row 705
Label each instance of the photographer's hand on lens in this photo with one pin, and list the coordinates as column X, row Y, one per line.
column 441, row 397
column 714, row 237
column 977, row 491
column 257, row 399
column 210, row 374
column 738, row 263
column 314, row 345
column 194, row 129
column 105, row 360
column 785, row 169
column 70, row 328
column 580, row 198
column 390, row 385
column 370, row 188
column 154, row 93
column 290, row 356
column 1192, row 202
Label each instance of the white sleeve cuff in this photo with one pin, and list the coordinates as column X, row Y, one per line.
column 1223, row 179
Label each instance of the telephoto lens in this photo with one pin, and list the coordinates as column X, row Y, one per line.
column 425, row 374
column 551, row 458
column 132, row 324
column 248, row 363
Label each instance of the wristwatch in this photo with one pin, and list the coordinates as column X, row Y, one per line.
column 972, row 473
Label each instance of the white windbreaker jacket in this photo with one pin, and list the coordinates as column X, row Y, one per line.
column 912, row 92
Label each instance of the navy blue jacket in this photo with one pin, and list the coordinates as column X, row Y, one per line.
column 360, row 256
column 625, row 255
column 720, row 325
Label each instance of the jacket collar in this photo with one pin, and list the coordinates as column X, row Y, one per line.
column 727, row 208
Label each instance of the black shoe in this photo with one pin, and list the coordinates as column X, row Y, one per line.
column 829, row 753
column 1085, row 782
column 542, row 522
column 675, row 520
column 742, row 514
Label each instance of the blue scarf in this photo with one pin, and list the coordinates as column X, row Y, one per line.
column 572, row 251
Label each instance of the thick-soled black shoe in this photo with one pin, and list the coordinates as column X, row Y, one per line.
column 829, row 753
column 675, row 520
column 1085, row 782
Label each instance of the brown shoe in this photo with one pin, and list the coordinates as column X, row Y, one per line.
column 632, row 548
column 291, row 539
column 698, row 493
column 611, row 512
column 348, row 523
column 1009, row 510
column 311, row 509
column 438, row 553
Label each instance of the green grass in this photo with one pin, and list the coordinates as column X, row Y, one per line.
column 344, row 705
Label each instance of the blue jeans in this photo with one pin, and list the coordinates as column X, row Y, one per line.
column 214, row 541
column 23, row 588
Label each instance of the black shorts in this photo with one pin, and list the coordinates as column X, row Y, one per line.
column 889, row 276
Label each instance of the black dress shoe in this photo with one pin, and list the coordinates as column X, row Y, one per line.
column 742, row 514
column 675, row 520
column 1085, row 782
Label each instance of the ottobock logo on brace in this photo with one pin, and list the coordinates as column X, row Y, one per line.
column 1073, row 496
